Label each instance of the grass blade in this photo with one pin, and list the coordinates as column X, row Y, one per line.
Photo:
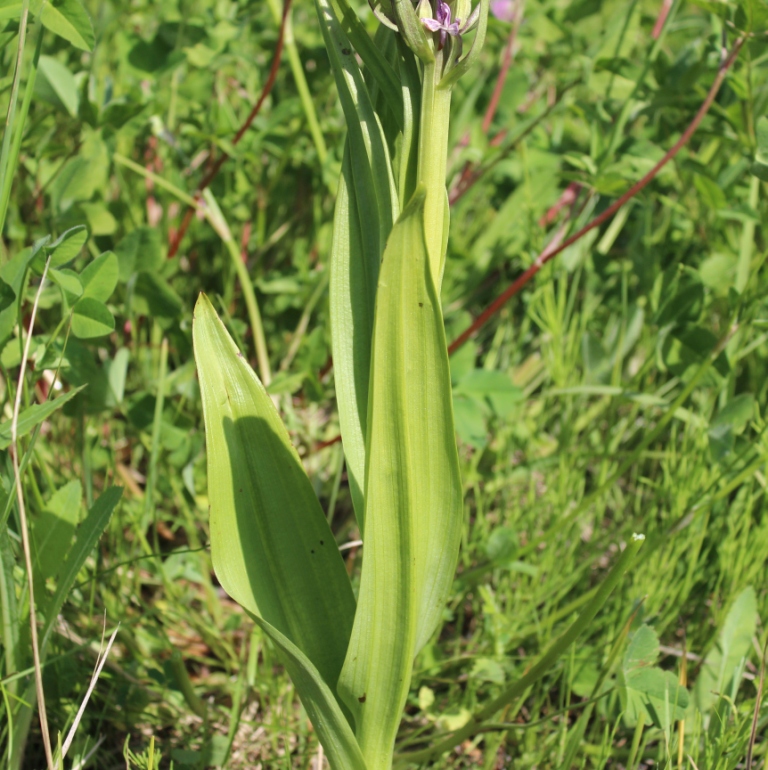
column 34, row 415
column 88, row 535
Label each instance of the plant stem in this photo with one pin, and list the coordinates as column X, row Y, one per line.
column 432, row 166
column 25, row 530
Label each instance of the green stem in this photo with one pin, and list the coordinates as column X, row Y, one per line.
column 157, row 427
column 432, row 166
column 301, row 81
column 157, row 179
column 541, row 667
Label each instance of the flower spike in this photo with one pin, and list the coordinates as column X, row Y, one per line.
column 443, row 23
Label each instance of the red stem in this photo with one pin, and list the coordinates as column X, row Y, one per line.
column 547, row 255
column 216, row 166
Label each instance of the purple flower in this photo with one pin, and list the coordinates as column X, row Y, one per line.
column 504, row 10
column 443, row 23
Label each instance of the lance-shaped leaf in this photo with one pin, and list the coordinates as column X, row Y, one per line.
column 413, row 503
column 354, row 273
column 271, row 546
column 332, row 727
column 375, row 61
column 366, row 210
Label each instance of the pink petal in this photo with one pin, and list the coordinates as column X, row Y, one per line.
column 504, row 10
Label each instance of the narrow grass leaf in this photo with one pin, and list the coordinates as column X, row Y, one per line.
column 88, row 535
column 271, row 545
column 413, row 498
column 33, row 416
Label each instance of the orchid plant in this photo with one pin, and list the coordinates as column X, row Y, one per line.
column 351, row 659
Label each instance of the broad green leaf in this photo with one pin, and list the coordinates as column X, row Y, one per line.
column 323, row 709
column 721, row 672
column 91, row 318
column 271, row 545
column 67, row 19
column 413, row 500
column 88, row 534
column 56, row 85
column 100, row 277
column 33, row 415
column 54, row 527
column 69, row 281
column 645, row 689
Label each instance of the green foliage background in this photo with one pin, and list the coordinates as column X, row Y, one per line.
column 623, row 390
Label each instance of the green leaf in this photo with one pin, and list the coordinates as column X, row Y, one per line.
column 354, row 273
column 91, row 318
column 271, row 545
column 88, row 535
column 413, row 496
column 10, row 9
column 53, row 529
column 728, row 422
column 33, row 415
column 494, row 387
column 64, row 249
column 12, row 275
column 69, row 281
column 645, row 689
column 139, row 250
column 376, row 64
column 760, row 164
column 100, row 277
column 324, row 711
column 56, row 85
column 722, row 669
column 67, row 19
column 154, row 296
column 367, row 206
